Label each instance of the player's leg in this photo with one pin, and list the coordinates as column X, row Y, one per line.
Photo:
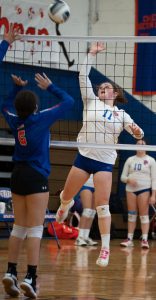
column 75, row 180
column 36, row 205
column 132, row 218
column 17, row 236
column 87, row 199
column 143, row 206
column 103, row 184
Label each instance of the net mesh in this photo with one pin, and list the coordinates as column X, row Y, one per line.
column 61, row 58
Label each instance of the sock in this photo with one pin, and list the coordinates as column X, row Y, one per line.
column 145, row 236
column 81, row 232
column 130, row 236
column 86, row 233
column 12, row 268
column 105, row 239
column 31, row 271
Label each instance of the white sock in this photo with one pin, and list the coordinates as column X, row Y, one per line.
column 130, row 236
column 105, row 240
column 145, row 236
column 86, row 233
column 81, row 233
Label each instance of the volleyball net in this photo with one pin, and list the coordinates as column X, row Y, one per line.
column 124, row 62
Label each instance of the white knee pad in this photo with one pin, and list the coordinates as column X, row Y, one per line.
column 19, row 231
column 65, row 202
column 89, row 213
column 144, row 219
column 132, row 216
column 103, row 211
column 35, row 232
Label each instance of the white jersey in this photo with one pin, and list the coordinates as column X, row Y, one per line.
column 141, row 169
column 90, row 182
column 101, row 123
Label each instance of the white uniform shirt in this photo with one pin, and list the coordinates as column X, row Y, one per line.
column 141, row 169
column 90, row 182
column 101, row 123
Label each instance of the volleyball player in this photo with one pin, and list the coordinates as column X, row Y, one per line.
column 29, row 181
column 86, row 195
column 8, row 38
column 139, row 174
column 102, row 123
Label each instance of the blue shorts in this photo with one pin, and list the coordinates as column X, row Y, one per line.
column 78, row 204
column 141, row 191
column 85, row 187
column 91, row 166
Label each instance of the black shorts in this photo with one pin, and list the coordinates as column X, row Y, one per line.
column 25, row 180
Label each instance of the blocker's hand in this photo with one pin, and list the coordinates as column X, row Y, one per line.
column 18, row 80
column 12, row 34
column 42, row 81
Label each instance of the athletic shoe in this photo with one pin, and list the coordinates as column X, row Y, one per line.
column 103, row 258
column 62, row 214
column 10, row 283
column 144, row 244
column 80, row 242
column 127, row 243
column 90, row 242
column 28, row 285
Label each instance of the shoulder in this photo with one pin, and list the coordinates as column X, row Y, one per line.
column 131, row 159
column 150, row 158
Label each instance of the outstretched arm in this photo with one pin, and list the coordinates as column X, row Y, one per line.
column 57, row 111
column 46, row 84
column 9, row 37
column 85, row 83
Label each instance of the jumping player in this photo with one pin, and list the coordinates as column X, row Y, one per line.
column 102, row 123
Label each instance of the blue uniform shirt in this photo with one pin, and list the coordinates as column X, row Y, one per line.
column 32, row 135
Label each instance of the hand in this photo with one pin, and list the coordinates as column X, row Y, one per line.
column 97, row 47
column 12, row 34
column 42, row 81
column 19, row 81
column 136, row 130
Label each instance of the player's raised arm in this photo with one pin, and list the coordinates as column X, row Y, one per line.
column 8, row 38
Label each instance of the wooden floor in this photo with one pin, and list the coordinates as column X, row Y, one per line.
column 71, row 273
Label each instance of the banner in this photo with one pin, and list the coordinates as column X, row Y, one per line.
column 145, row 53
column 32, row 19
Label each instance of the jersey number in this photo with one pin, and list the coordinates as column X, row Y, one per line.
column 107, row 114
column 137, row 167
column 22, row 138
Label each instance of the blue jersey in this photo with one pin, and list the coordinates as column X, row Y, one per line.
column 3, row 49
column 32, row 135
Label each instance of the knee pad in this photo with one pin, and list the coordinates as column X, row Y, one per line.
column 89, row 213
column 144, row 219
column 132, row 216
column 103, row 211
column 63, row 201
column 35, row 232
column 19, row 231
